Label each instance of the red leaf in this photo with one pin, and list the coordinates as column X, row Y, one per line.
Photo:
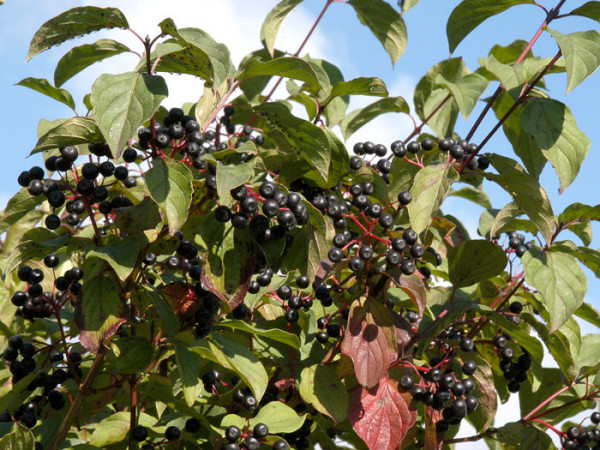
column 370, row 341
column 382, row 415
column 403, row 332
column 413, row 286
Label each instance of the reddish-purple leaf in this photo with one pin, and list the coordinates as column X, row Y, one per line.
column 370, row 341
column 403, row 332
column 413, row 286
column 382, row 416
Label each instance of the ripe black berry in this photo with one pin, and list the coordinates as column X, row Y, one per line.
column 500, row 341
column 260, row 431
column 356, row 163
column 514, row 386
column 467, row 344
column 407, row 382
column 302, row 281
column 172, row 433
column 398, row 149
column 335, row 254
column 249, row 402
column 139, row 433
column 427, row 144
column 516, row 307
column 404, row 197
column 355, row 263
column 469, row 367
column 410, row 236
column 413, row 147
column 233, row 433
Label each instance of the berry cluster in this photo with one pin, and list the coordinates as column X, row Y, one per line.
column 516, row 242
column 35, row 303
column 579, row 437
column 181, row 133
column 30, row 410
column 441, row 389
column 251, row 441
column 287, row 208
column 85, row 194
column 172, row 433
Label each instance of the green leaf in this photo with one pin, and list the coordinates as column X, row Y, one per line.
column 202, row 48
column 42, row 86
column 588, row 313
column 73, row 23
column 139, row 217
column 83, row 56
column 311, row 244
column 122, row 103
column 556, row 133
column 589, row 257
column 287, row 66
column 474, row 195
column 524, row 145
column 273, row 21
column 35, row 244
column 471, row 13
column 507, row 220
column 517, row 332
column 372, row 86
column 163, row 309
column 564, row 345
column 360, row 117
column 583, row 230
column 526, row 192
column 189, row 365
column 17, row 207
column 114, row 428
column 121, row 254
column 465, row 91
column 429, row 190
column 170, row 186
column 513, row 76
column 385, row 23
column 321, row 387
column 517, row 435
column 231, row 176
column 560, row 280
column 581, row 51
column 588, row 360
column 74, row 131
column 230, row 260
column 579, row 211
column 20, row 439
column 453, row 70
column 591, row 10
column 474, row 261
column 279, row 417
column 297, row 136
column 429, row 96
column 244, row 363
column 405, row 5
column 99, row 313
column 135, row 354
column 274, row 334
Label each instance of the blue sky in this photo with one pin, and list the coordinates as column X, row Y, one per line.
column 339, row 38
